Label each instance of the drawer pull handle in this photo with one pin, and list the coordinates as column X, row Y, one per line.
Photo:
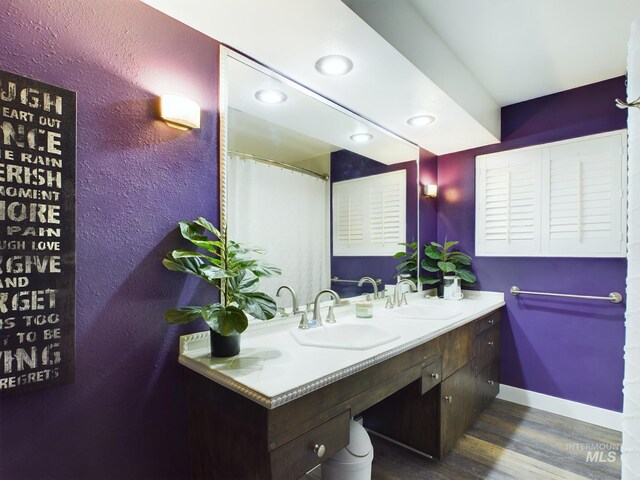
column 448, row 398
column 491, row 382
column 435, row 376
column 319, row 450
column 490, row 344
column 491, row 321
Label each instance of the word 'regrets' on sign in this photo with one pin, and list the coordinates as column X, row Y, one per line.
column 37, row 234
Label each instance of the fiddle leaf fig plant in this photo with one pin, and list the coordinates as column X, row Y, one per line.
column 234, row 269
column 409, row 263
column 444, row 261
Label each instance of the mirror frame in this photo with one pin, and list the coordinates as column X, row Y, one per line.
column 227, row 53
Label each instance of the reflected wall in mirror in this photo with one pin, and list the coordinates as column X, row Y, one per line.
column 326, row 209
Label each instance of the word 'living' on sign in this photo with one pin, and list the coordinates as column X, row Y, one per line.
column 37, row 234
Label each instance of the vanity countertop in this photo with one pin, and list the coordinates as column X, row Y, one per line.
column 273, row 368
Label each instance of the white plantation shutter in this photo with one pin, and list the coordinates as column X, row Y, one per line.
column 507, row 206
column 564, row 199
column 369, row 214
column 348, row 217
column 585, row 201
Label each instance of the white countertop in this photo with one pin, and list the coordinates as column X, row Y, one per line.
column 273, row 368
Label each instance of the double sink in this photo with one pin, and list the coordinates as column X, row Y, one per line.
column 348, row 335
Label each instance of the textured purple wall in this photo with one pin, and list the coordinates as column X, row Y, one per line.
column 124, row 417
column 346, row 165
column 570, row 349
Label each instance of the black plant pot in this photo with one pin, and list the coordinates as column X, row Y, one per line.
column 440, row 288
column 222, row 346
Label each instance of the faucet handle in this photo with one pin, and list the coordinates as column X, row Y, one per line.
column 331, row 318
column 389, row 303
column 403, row 300
column 304, row 321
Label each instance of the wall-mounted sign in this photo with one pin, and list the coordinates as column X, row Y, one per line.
column 37, row 234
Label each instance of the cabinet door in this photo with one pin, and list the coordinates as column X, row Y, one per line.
column 487, row 386
column 457, row 349
column 457, row 404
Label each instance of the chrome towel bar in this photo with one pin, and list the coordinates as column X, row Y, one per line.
column 340, row 280
column 613, row 297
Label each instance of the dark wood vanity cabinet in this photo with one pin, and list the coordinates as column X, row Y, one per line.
column 425, row 398
column 442, row 410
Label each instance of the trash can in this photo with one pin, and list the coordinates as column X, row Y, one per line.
column 354, row 461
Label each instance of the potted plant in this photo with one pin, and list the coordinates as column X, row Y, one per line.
column 235, row 271
column 444, row 261
column 409, row 264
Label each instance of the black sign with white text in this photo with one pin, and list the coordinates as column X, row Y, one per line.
column 37, row 234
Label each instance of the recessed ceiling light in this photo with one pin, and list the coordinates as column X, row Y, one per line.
column 421, row 120
column 334, row 65
column 271, row 96
column 361, row 137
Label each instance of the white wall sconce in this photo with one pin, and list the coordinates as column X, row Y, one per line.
column 430, row 190
column 179, row 112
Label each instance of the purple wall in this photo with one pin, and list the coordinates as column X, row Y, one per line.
column 570, row 349
column 124, row 417
column 346, row 165
column 428, row 174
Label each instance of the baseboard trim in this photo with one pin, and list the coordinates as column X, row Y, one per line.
column 567, row 408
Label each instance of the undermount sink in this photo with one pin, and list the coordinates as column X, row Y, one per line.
column 344, row 336
column 424, row 312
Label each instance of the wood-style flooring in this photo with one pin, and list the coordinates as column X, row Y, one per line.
column 509, row 441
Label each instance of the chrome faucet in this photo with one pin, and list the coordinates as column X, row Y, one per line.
column 396, row 290
column 372, row 282
column 316, row 305
column 294, row 301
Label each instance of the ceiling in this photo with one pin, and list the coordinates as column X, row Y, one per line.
column 460, row 60
column 523, row 49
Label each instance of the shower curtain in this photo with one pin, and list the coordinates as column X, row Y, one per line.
column 631, row 408
column 285, row 213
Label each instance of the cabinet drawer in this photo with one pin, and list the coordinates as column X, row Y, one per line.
column 297, row 457
column 487, row 321
column 431, row 376
column 486, row 347
column 487, row 385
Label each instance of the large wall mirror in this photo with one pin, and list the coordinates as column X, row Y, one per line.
column 327, row 194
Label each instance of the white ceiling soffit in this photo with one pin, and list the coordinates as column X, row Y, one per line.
column 401, row 25
column 524, row 49
column 384, row 86
column 257, row 137
column 307, row 116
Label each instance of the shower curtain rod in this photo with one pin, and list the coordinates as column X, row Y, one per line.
column 279, row 164
column 622, row 104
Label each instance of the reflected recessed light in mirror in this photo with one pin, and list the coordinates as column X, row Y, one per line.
column 421, row 120
column 361, row 137
column 271, row 96
column 334, row 65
